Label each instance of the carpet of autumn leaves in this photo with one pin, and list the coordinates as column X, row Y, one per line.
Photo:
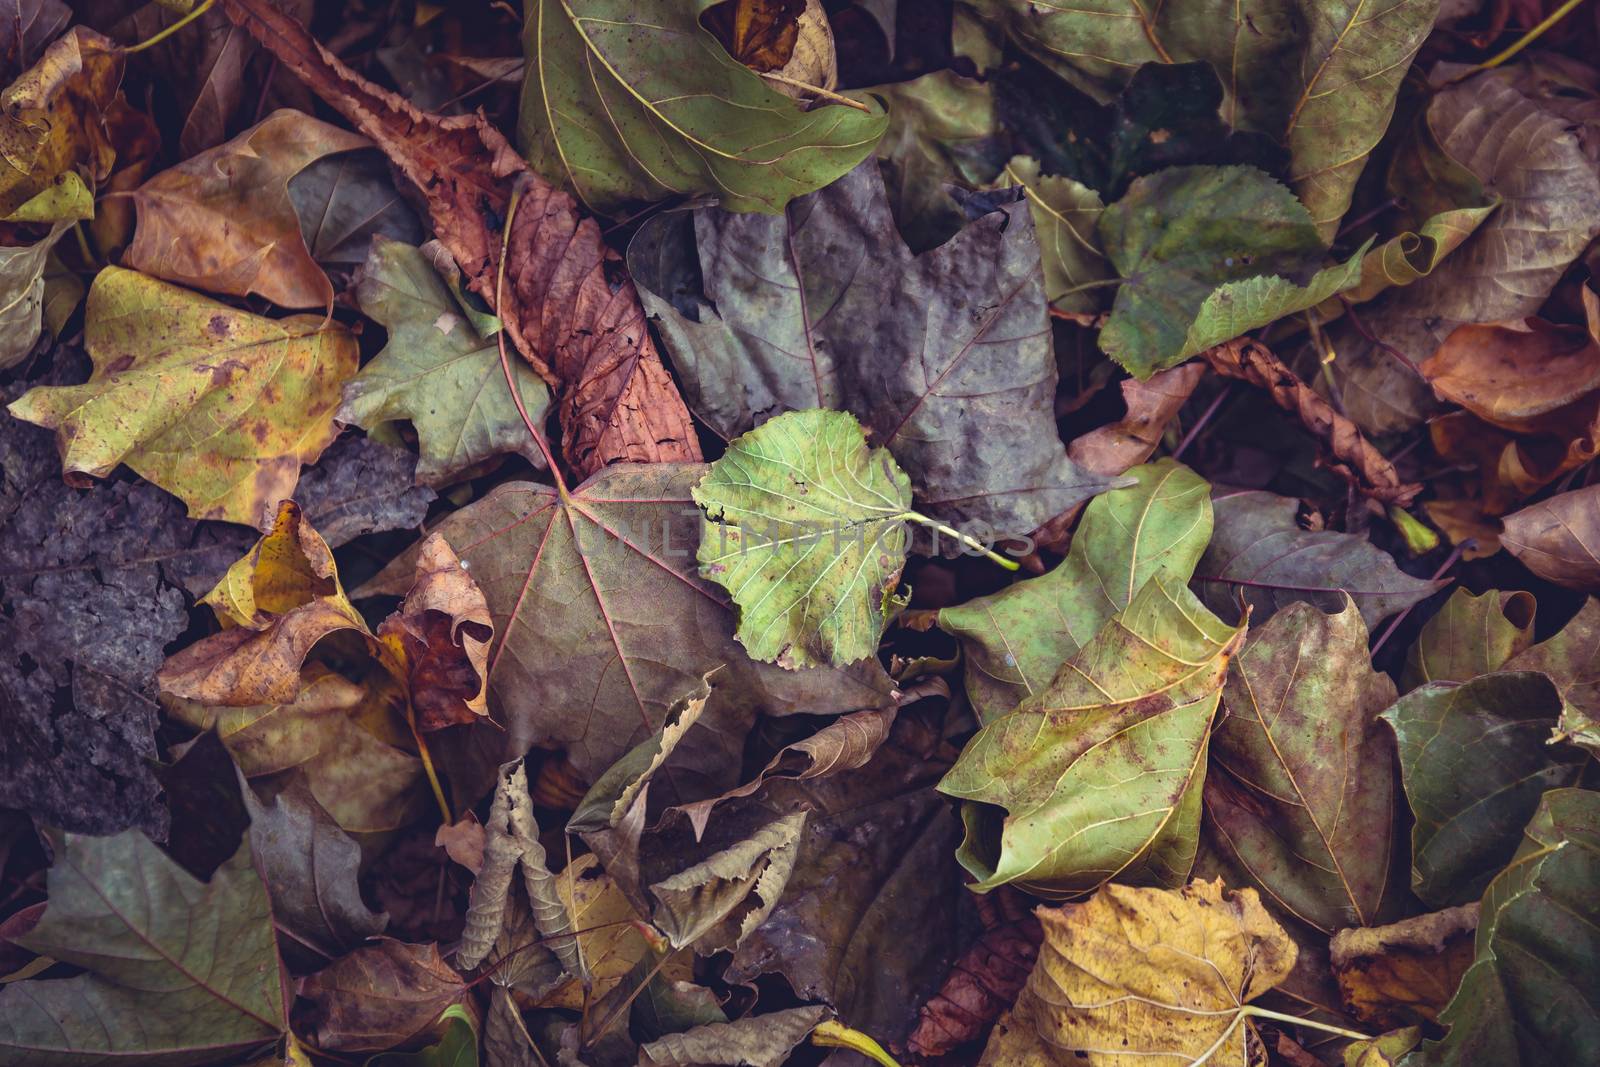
column 790, row 532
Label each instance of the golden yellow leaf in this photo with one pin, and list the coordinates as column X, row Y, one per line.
column 215, row 405
column 52, row 118
column 1132, row 977
column 1406, row 972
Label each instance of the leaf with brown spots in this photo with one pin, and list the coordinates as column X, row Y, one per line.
column 215, row 405
column 223, row 220
column 568, row 304
column 52, row 117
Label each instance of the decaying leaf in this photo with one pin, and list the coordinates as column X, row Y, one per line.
column 437, row 372
column 1015, row 640
column 623, row 109
column 1262, row 556
column 1404, row 973
column 1151, row 405
column 1471, row 635
column 223, row 220
column 1066, row 214
column 53, row 117
column 1568, row 660
column 1099, row 776
column 137, row 923
column 175, row 371
column 1475, row 762
column 1135, row 974
column 1301, row 790
column 714, row 904
column 22, row 295
column 761, row 314
column 981, row 987
column 345, row 203
column 756, row 1041
column 378, row 996
column 805, row 528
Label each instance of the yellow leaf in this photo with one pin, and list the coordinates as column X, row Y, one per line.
column 1406, row 972
column 1133, row 977
column 215, row 405
column 52, row 117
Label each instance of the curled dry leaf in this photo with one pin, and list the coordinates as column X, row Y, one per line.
column 1404, row 973
column 439, row 640
column 755, row 1041
column 716, row 903
column 52, row 118
column 378, row 996
column 22, row 295
column 172, row 368
column 223, row 220
column 1136, row 974
column 583, row 333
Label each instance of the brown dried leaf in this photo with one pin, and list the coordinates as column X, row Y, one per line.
column 223, row 221
column 52, row 118
column 1559, row 539
column 1404, row 973
column 380, row 995
column 979, row 988
column 567, row 302
column 439, row 640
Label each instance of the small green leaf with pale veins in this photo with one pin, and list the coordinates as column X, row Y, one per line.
column 804, row 526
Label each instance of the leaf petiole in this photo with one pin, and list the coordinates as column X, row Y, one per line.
column 966, row 539
column 199, row 9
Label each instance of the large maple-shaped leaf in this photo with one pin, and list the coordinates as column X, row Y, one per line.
column 1530, row 996
column 945, row 357
column 1016, row 639
column 217, row 406
column 1099, row 776
column 600, row 620
column 437, row 371
column 1301, row 789
column 805, row 529
column 1319, row 76
column 1475, row 762
column 623, row 108
column 1261, row 554
column 180, row 972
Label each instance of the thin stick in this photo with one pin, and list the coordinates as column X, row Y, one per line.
column 1200, row 423
column 505, row 360
column 815, row 90
column 611, row 1016
column 1450, row 561
column 200, row 9
column 427, row 765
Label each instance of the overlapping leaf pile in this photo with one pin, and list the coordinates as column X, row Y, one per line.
column 774, row 532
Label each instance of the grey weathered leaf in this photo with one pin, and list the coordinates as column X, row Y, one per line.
column 1261, row 554
column 754, row 1041
column 345, row 200
column 714, row 904
column 22, row 295
column 945, row 357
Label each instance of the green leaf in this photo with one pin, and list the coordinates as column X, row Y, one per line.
column 621, row 108
column 458, row 1047
column 764, row 314
column 179, row 971
column 1065, row 214
column 1302, row 784
column 1472, row 635
column 1261, row 554
column 22, row 295
column 1528, row 998
column 1100, row 775
column 716, row 903
column 1320, row 76
column 437, row 372
column 1569, row 659
column 1475, row 763
column 1015, row 640
column 1207, row 253
column 805, row 528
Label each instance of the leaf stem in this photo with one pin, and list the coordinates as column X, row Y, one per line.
column 970, row 542
column 815, row 90
column 1531, row 36
column 1311, row 1024
column 199, row 9
column 427, row 765
column 1100, row 283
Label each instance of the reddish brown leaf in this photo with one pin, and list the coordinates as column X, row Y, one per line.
column 979, row 988
column 378, row 996
column 567, row 303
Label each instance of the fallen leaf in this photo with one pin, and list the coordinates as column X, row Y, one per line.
column 981, row 987
column 1151, row 405
column 1065, row 218
column 1475, row 763
column 1566, row 659
column 610, row 941
column 616, row 401
column 1099, row 775
column 345, row 202
column 1301, row 788
column 613, row 794
column 1138, row 973
column 624, row 110
column 1471, row 635
column 805, row 528
column 1553, row 538
column 1262, row 555
column 1515, row 376
column 761, row 314
column 310, row 865
column 756, row 1041
column 457, row 1045
column 378, row 996
column 54, row 116
column 439, row 640
column 1015, row 640
column 22, row 295
column 26, row 27
column 178, row 971
column 1206, row 254
column 716, row 903
column 1404, row 973
column 223, row 220
column 589, row 593
column 172, row 368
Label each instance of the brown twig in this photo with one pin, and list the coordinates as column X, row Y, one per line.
column 1347, row 453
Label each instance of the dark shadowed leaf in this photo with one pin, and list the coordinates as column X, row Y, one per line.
column 1569, row 659
column 343, row 201
column 1557, row 538
column 1404, row 973
column 378, row 996
column 823, row 305
column 26, row 26
column 1262, row 556
column 1475, row 762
